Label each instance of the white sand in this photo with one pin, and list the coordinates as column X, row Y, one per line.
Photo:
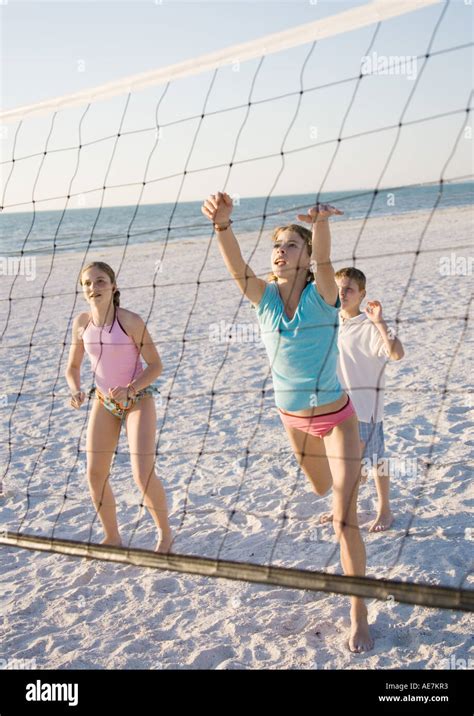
column 70, row 613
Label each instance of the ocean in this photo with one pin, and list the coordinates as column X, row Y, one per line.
column 75, row 229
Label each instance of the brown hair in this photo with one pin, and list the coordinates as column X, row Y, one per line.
column 352, row 273
column 304, row 233
column 110, row 273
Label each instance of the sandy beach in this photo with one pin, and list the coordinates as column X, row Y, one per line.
column 70, row 613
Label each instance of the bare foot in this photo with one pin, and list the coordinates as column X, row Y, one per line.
column 114, row 541
column 326, row 517
column 360, row 639
column 382, row 522
column 164, row 543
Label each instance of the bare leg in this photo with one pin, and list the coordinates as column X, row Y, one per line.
column 328, row 516
column 382, row 483
column 311, row 456
column 103, row 432
column 343, row 451
column 141, row 429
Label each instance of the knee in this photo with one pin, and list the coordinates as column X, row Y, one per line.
column 96, row 477
column 337, row 527
column 343, row 529
column 144, row 480
column 321, row 490
column 321, row 485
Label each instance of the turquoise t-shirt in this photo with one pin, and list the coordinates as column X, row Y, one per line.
column 303, row 352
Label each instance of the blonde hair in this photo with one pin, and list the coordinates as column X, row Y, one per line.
column 307, row 237
column 351, row 272
column 102, row 266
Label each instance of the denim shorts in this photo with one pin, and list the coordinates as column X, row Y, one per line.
column 372, row 435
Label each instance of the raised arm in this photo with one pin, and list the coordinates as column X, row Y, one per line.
column 393, row 345
column 218, row 208
column 323, row 269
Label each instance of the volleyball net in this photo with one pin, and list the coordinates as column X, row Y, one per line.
column 114, row 171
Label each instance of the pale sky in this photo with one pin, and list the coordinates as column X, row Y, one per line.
column 55, row 48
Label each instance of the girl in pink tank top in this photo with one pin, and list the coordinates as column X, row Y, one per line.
column 115, row 341
column 115, row 361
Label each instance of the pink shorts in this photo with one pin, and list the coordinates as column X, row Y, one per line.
column 318, row 425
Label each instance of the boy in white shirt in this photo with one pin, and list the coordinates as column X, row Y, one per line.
column 365, row 345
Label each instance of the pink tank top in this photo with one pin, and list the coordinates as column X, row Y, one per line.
column 114, row 357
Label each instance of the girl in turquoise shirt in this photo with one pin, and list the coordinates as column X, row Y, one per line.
column 298, row 317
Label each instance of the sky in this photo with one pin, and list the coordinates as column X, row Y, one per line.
column 53, row 48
